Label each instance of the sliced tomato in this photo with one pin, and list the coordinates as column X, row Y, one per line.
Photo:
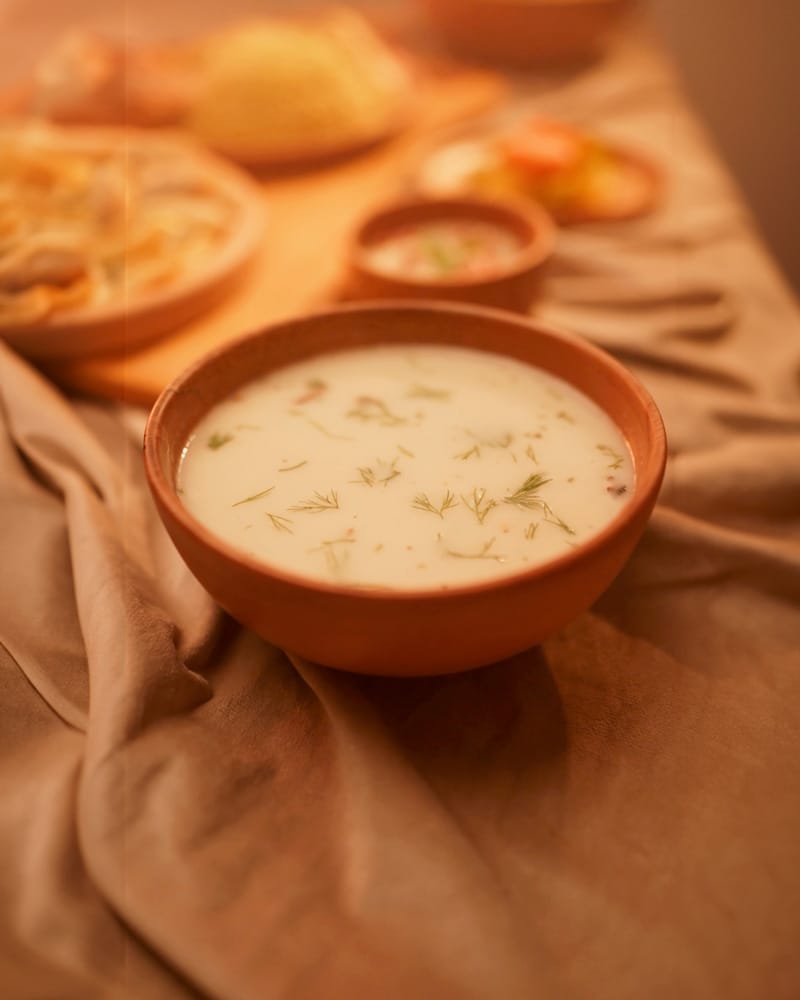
column 543, row 146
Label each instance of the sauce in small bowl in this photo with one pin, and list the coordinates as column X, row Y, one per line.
column 469, row 249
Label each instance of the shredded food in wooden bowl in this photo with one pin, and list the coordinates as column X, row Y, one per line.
column 86, row 224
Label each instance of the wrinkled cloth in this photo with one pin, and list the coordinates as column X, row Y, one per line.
column 186, row 812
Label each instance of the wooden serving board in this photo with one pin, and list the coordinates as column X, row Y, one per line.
column 309, row 220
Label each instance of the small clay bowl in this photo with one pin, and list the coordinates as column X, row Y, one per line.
column 402, row 632
column 512, row 284
column 526, row 33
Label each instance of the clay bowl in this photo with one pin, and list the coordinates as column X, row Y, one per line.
column 127, row 322
column 385, row 631
column 526, row 32
column 512, row 284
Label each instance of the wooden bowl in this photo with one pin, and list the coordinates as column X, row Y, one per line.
column 513, row 284
column 394, row 632
column 448, row 172
column 526, row 32
column 124, row 323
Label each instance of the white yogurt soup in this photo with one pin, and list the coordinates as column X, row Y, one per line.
column 406, row 467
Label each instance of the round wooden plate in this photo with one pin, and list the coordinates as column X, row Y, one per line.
column 448, row 171
column 84, row 331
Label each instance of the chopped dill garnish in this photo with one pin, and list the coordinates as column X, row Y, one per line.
column 499, row 442
column 479, row 505
column 422, row 502
column 384, row 472
column 369, row 408
column 527, row 497
column 418, row 391
column 255, row 496
column 291, row 468
column 616, row 458
column 553, row 518
column 474, row 450
column 217, row 440
column 530, row 531
column 281, row 523
column 318, row 503
column 531, row 454
column 333, row 557
column 527, row 494
column 439, row 254
column 484, row 553
column 405, row 451
column 563, row 415
column 366, row 476
column 314, row 389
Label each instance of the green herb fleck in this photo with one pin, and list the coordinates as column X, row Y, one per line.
column 281, row 523
column 531, row 454
column 439, row 255
column 291, row 468
column 255, row 496
column 405, row 451
column 616, row 459
column 333, row 556
column 484, row 553
column 418, row 391
column 314, row 389
column 422, row 502
column 217, row 440
column 498, row 442
column 366, row 476
column 384, row 472
column 318, row 503
column 369, row 408
column 563, row 415
column 474, row 450
column 478, row 504
column 527, row 497
column 530, row 531
column 553, row 518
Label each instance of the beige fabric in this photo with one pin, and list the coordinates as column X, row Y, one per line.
column 614, row 815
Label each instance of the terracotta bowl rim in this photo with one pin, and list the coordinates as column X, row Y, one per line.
column 510, row 212
column 643, row 497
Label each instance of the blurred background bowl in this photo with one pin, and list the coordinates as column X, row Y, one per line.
column 525, row 32
column 403, row 632
column 512, row 282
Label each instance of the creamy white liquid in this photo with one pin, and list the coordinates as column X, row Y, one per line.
column 406, row 467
